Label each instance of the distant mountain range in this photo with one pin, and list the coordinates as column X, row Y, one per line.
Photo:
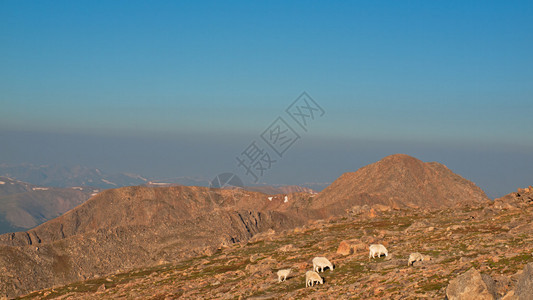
column 79, row 176
column 31, row 195
column 263, row 188
column 24, row 206
column 74, row 176
column 130, row 227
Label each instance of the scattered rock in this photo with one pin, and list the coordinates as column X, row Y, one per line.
column 470, row 285
column 454, row 227
column 263, row 236
column 358, row 209
column 288, row 248
column 500, row 204
column 255, row 257
column 210, row 250
column 417, row 226
column 381, row 207
column 263, row 267
column 465, row 259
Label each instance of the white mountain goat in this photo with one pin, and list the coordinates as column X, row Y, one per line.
column 377, row 249
column 283, row 274
column 311, row 277
column 414, row 257
column 321, row 262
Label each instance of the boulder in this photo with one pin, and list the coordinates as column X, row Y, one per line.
column 524, row 287
column 471, row 285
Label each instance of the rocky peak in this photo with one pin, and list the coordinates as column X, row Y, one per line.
column 400, row 180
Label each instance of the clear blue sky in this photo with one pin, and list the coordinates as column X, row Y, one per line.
column 449, row 74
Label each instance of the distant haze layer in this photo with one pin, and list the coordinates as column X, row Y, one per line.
column 314, row 162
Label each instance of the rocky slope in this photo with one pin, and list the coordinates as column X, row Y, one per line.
column 23, row 205
column 120, row 229
column 481, row 253
column 401, row 181
column 132, row 227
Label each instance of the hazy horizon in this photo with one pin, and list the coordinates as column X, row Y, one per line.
column 170, row 89
column 498, row 169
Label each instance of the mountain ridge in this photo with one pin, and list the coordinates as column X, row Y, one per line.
column 142, row 226
column 133, row 226
column 400, row 180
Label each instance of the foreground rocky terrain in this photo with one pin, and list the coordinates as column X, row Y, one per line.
column 393, row 201
column 124, row 228
column 482, row 250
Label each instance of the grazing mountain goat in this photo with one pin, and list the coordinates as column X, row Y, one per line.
column 414, row 257
column 321, row 262
column 311, row 277
column 283, row 274
column 377, row 249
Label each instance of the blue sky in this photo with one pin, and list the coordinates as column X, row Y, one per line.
column 452, row 75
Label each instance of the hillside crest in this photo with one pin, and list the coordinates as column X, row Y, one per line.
column 402, row 181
